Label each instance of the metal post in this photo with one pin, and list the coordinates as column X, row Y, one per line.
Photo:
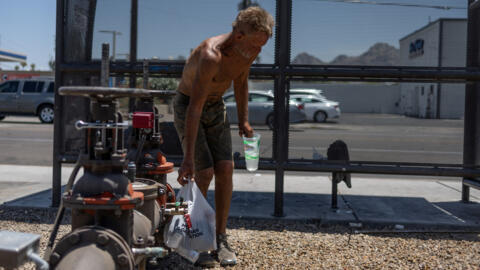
column 471, row 141
column 57, row 128
column 280, row 132
column 334, row 191
column 133, row 48
column 114, row 46
column 440, row 63
column 114, row 51
column 74, row 35
column 145, row 74
column 105, row 72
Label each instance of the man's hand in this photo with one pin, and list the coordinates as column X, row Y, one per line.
column 186, row 172
column 245, row 130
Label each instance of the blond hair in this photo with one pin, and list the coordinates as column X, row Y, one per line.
column 255, row 19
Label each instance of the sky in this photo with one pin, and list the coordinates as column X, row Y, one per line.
column 169, row 29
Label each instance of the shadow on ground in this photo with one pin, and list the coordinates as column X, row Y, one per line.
column 22, row 122
column 364, row 211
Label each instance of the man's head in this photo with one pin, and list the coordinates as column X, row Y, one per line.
column 251, row 29
column 254, row 19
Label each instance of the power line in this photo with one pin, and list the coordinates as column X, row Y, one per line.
column 366, row 2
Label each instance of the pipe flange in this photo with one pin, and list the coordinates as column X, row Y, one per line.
column 102, row 238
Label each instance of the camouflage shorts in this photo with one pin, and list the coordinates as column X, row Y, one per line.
column 214, row 140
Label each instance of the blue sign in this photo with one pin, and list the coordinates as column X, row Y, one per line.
column 416, row 48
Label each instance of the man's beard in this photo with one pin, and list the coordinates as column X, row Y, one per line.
column 243, row 53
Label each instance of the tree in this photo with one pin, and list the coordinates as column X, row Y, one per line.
column 17, row 67
column 160, row 83
column 23, row 64
column 32, row 66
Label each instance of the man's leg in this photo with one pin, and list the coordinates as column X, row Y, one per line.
column 223, row 193
column 223, row 197
column 203, row 179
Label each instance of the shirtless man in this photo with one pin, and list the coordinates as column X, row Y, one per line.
column 200, row 116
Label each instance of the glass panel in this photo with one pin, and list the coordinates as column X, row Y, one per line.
column 112, row 26
column 391, row 122
column 29, row 87
column 171, row 29
column 372, row 32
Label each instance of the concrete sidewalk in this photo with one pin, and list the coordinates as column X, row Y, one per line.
column 413, row 202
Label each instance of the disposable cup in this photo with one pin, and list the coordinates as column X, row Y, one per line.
column 251, row 147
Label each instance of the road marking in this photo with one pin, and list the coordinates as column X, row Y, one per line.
column 25, row 140
column 448, row 213
column 382, row 150
column 379, row 134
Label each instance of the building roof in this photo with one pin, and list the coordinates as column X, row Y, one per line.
column 430, row 24
column 9, row 56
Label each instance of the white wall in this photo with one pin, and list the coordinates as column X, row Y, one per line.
column 454, row 46
column 454, row 54
column 353, row 97
column 452, row 96
column 452, row 101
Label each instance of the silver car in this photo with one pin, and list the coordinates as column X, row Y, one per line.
column 318, row 109
column 27, row 97
column 303, row 91
column 260, row 109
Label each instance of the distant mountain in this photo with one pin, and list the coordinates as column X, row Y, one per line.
column 307, row 59
column 380, row 54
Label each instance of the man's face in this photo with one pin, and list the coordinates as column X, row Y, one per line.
column 250, row 45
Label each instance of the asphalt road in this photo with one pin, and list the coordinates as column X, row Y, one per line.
column 372, row 137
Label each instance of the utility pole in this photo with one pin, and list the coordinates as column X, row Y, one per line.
column 114, row 42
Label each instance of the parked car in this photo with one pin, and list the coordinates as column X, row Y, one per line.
column 303, row 91
column 27, row 97
column 260, row 109
column 318, row 109
column 306, row 91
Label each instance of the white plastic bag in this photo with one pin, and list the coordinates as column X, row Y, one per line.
column 195, row 230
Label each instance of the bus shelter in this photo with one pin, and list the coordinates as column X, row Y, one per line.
column 74, row 66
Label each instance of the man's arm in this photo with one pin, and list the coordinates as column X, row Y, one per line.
column 206, row 70
column 240, row 87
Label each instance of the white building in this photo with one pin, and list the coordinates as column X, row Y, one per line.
column 441, row 43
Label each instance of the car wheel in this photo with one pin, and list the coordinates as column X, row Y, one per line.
column 45, row 113
column 270, row 121
column 320, row 117
column 2, row 117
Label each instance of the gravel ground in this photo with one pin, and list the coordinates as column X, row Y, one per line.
column 278, row 244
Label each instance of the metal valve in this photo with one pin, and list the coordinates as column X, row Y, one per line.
column 83, row 125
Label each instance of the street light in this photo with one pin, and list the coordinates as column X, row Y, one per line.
column 114, row 37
